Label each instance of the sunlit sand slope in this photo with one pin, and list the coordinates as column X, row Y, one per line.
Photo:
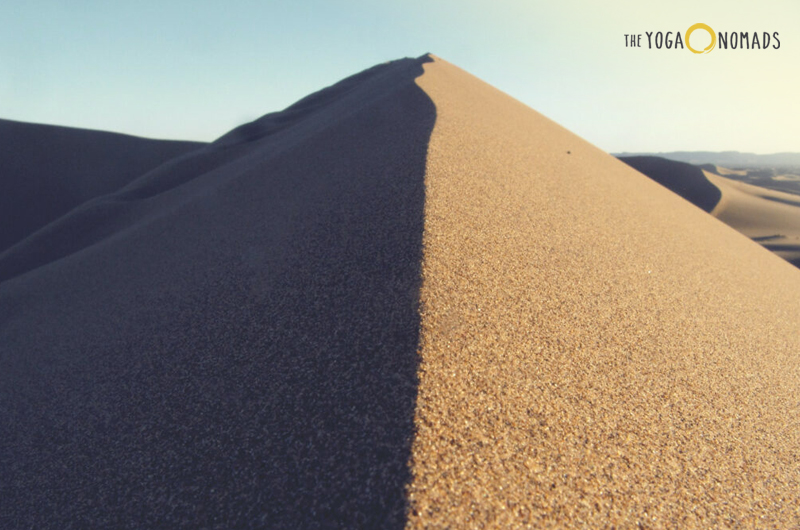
column 595, row 350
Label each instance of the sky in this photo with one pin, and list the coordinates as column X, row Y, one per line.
column 194, row 69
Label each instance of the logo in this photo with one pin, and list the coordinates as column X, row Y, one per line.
column 727, row 40
column 710, row 31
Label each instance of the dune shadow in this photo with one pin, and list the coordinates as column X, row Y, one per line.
column 244, row 356
column 786, row 247
column 781, row 200
column 686, row 180
column 759, row 239
column 49, row 170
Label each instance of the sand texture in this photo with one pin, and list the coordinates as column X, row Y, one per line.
column 596, row 352
column 408, row 300
column 229, row 341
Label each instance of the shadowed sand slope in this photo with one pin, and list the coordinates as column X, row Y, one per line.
column 686, row 180
column 49, row 170
column 596, row 352
column 230, row 341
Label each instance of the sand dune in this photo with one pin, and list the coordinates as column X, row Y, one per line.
column 230, row 341
column 770, row 217
column 725, row 171
column 596, row 351
column 406, row 301
column 49, row 170
column 727, row 159
column 686, row 180
column 767, row 216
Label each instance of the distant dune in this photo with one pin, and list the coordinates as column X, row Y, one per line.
column 785, row 180
column 769, row 217
column 410, row 301
column 49, row 170
column 734, row 159
column 686, row 180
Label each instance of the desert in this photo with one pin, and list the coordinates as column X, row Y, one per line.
column 406, row 301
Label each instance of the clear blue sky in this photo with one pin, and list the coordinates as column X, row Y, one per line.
column 195, row 69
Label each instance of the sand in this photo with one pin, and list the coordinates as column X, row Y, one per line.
column 768, row 216
column 725, row 171
column 229, row 341
column 49, row 170
column 405, row 301
column 687, row 180
column 596, row 351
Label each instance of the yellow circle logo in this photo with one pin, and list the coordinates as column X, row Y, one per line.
column 710, row 31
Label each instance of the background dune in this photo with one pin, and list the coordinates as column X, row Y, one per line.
column 686, row 180
column 49, row 170
column 728, row 159
column 768, row 216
